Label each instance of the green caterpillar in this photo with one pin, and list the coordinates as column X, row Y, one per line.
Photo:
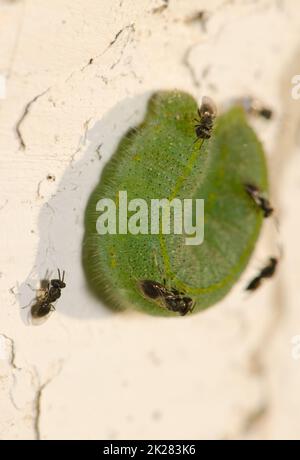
column 162, row 158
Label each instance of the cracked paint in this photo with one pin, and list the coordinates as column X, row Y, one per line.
column 23, row 117
column 187, row 63
column 92, row 60
column 37, row 403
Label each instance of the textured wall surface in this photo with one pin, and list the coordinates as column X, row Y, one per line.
column 77, row 75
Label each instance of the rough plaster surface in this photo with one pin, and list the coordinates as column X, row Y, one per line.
column 78, row 74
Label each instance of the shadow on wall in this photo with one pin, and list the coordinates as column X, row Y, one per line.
column 61, row 219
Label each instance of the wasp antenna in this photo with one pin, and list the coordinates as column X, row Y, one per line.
column 63, row 277
column 59, row 274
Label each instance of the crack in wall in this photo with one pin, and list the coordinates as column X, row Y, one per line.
column 37, row 403
column 82, row 141
column 130, row 26
column 15, row 368
column 131, row 29
column 22, row 144
column 186, row 62
column 92, row 60
column 159, row 9
column 47, row 179
column 201, row 17
column 12, row 354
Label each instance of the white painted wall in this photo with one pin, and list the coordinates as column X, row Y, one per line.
column 85, row 373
